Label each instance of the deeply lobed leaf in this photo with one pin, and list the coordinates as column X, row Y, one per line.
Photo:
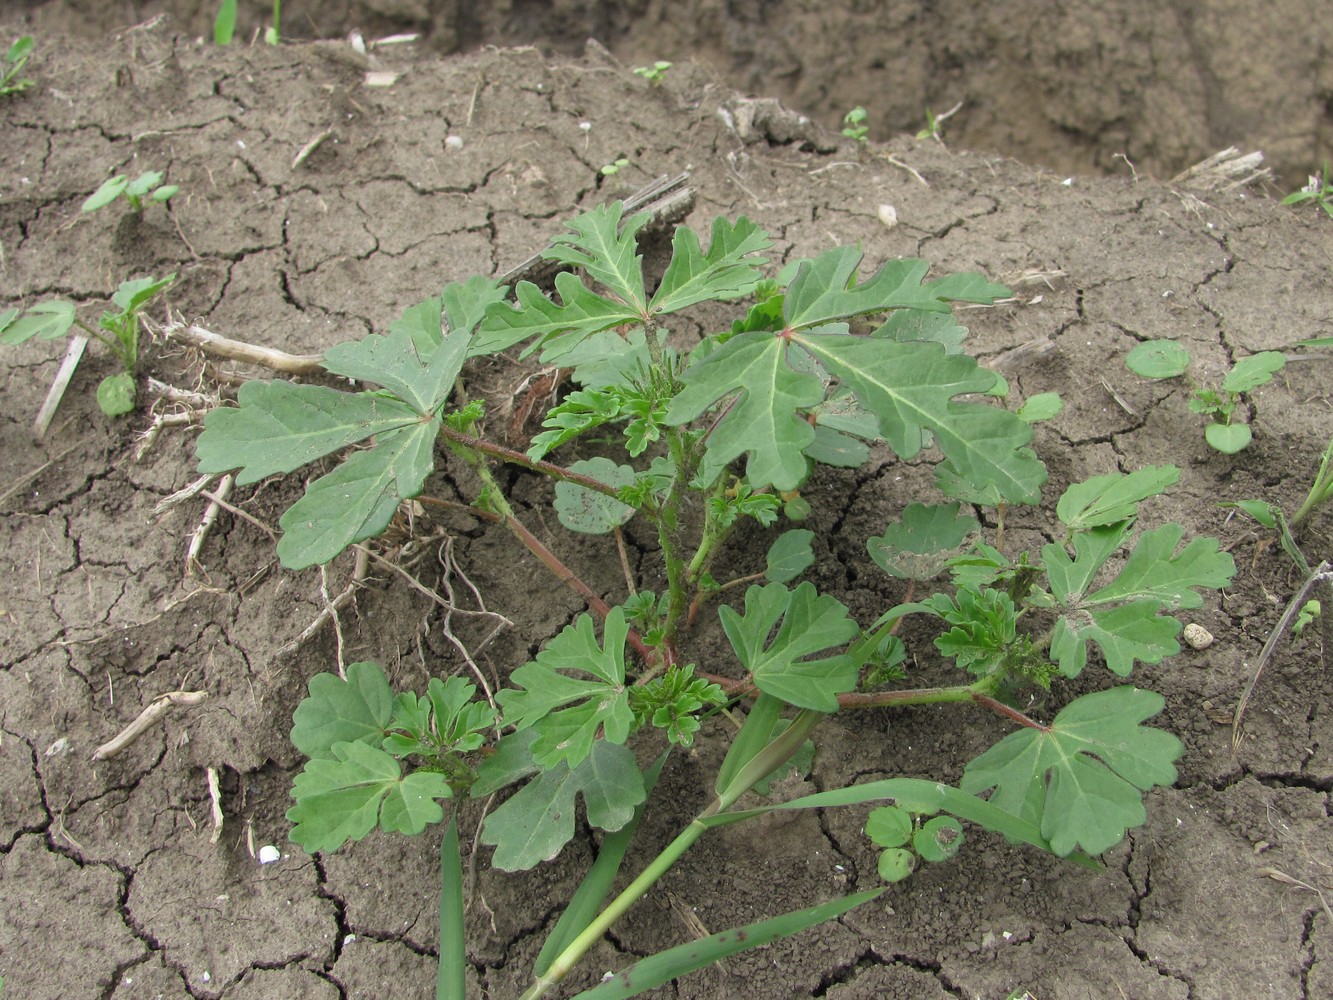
column 811, row 623
column 344, row 797
column 536, row 822
column 599, row 701
column 1083, row 777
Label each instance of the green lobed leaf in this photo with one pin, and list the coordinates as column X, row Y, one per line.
column 920, row 545
column 1125, row 633
column 465, row 303
column 587, row 511
column 1156, row 571
column 538, row 820
column 1125, row 617
column 422, row 382
column 910, row 388
column 811, row 623
column 1086, row 773
column 579, row 412
column 604, row 245
column 581, row 312
column 357, row 500
column 343, row 798
column 761, row 421
column 45, row 321
column 825, row 290
column 599, row 699
column 726, row 271
column 1113, row 497
column 357, row 709
column 279, row 427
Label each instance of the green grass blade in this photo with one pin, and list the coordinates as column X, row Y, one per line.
column 451, row 976
column 224, row 25
column 592, row 891
column 667, row 965
column 754, row 736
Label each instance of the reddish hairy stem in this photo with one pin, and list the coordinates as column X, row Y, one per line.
column 518, row 458
column 558, row 569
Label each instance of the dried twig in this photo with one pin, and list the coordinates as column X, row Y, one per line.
column 73, row 355
column 332, row 607
column 215, row 800
column 155, row 710
column 1320, row 574
column 236, row 350
column 206, row 523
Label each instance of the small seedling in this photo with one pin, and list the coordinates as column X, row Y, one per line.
column 15, row 59
column 1164, row 359
column 613, row 168
column 854, row 125
column 655, row 73
column 147, row 186
column 935, row 123
column 1318, row 189
column 118, row 330
column 224, row 24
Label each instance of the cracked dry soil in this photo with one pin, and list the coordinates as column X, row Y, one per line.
column 112, row 884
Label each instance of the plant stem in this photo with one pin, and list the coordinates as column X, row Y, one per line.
column 451, row 975
column 1321, row 490
column 503, row 512
column 759, row 767
column 518, row 458
column 669, row 532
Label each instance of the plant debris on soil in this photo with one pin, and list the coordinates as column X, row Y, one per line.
column 312, row 209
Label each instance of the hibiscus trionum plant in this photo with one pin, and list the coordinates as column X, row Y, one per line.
column 717, row 430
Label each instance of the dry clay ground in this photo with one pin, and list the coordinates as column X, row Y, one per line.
column 112, row 883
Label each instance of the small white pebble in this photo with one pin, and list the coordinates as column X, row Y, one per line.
column 269, row 854
column 453, row 142
column 888, row 215
column 1068, row 182
column 1197, row 636
column 206, row 976
column 349, row 939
